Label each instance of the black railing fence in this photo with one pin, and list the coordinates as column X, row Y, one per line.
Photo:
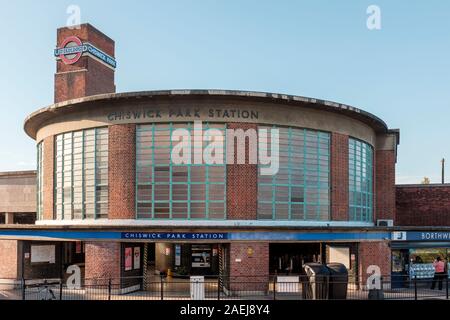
column 299, row 287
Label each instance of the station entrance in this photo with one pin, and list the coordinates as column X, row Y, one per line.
column 289, row 258
column 185, row 259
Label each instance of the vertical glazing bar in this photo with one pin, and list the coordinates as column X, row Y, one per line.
column 189, row 165
column 305, row 203
column 290, row 174
column 95, row 175
column 153, row 170
column 170, row 172
column 62, row 173
column 318, row 178
column 72, row 185
column 225, row 215
column 83, row 177
column 138, row 169
column 274, row 185
column 206, row 182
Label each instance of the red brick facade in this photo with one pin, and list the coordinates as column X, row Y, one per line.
column 122, row 171
column 9, row 259
column 87, row 76
column 249, row 266
column 423, row 205
column 47, row 183
column 242, row 183
column 385, row 184
column 339, row 177
column 374, row 253
column 102, row 262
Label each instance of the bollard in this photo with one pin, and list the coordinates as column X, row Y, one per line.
column 60, row 289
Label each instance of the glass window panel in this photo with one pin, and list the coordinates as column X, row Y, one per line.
column 302, row 182
column 360, row 181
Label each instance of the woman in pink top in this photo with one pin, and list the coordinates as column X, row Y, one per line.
column 439, row 273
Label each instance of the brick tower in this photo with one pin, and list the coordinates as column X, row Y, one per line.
column 85, row 63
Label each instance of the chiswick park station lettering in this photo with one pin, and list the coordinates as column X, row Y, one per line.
column 174, row 236
column 180, row 113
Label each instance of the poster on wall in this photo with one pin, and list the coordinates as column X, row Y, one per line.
column 128, row 259
column 78, row 247
column 43, row 254
column 340, row 255
column 137, row 257
column 177, row 255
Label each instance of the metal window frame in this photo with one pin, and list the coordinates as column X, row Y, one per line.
column 62, row 153
column 169, row 127
column 300, row 134
column 367, row 152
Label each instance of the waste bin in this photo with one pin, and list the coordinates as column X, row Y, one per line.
column 338, row 282
column 316, row 285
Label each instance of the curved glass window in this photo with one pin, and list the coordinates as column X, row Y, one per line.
column 166, row 190
column 39, row 180
column 360, row 180
column 81, row 174
column 301, row 188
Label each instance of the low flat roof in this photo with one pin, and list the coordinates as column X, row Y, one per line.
column 17, row 173
column 38, row 118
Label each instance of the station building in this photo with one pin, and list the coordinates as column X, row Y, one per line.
column 110, row 198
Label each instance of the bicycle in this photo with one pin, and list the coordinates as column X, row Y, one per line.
column 49, row 294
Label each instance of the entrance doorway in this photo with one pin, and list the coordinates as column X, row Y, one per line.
column 289, row 258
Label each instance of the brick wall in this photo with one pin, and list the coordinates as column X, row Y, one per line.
column 374, row 253
column 102, row 262
column 87, row 76
column 47, row 183
column 122, row 171
column 251, row 273
column 9, row 262
column 423, row 205
column 242, row 183
column 385, row 184
column 339, row 177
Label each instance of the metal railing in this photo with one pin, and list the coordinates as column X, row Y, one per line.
column 299, row 287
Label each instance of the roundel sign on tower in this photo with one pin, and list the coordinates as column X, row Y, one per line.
column 71, row 50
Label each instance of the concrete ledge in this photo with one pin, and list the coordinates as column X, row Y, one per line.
column 201, row 223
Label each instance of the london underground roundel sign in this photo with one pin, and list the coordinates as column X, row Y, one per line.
column 71, row 50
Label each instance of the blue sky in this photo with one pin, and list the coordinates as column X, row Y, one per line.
column 320, row 49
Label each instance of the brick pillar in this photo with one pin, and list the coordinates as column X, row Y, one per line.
column 339, row 177
column 87, row 76
column 48, row 173
column 374, row 253
column 9, row 260
column 242, row 183
column 102, row 262
column 122, row 171
column 385, row 184
column 249, row 266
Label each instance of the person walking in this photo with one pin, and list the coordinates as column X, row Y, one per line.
column 439, row 273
